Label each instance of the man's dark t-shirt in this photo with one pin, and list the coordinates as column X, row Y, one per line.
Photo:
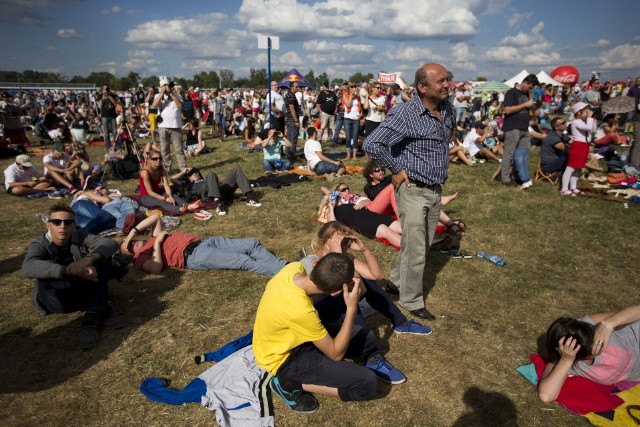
column 519, row 120
column 327, row 101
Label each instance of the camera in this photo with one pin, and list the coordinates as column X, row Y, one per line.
column 159, row 119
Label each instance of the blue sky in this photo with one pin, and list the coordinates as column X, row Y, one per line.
column 491, row 38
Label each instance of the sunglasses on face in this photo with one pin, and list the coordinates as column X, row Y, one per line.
column 155, row 159
column 342, row 190
column 59, row 222
column 377, row 170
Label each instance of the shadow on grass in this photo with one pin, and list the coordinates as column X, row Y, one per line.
column 41, row 361
column 10, row 265
column 487, row 409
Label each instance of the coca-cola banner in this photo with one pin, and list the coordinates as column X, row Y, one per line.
column 566, row 75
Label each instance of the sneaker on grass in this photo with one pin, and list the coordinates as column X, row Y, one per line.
column 251, row 202
column 56, row 195
column 220, row 209
column 297, row 400
column 384, row 370
column 412, row 327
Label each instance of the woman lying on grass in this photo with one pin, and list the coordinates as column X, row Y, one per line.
column 604, row 348
column 384, row 204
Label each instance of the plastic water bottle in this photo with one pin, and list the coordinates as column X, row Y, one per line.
column 500, row 262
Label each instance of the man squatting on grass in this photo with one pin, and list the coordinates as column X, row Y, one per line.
column 182, row 250
column 71, row 268
column 303, row 355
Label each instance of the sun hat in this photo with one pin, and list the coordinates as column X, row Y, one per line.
column 579, row 106
column 164, row 81
column 24, row 160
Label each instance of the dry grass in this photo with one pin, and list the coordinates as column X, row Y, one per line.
column 565, row 257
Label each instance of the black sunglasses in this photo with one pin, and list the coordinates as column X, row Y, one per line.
column 59, row 222
column 342, row 190
column 377, row 170
column 155, row 159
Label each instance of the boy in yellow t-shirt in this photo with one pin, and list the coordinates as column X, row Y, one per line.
column 301, row 353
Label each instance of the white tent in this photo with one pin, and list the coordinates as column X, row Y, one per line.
column 547, row 79
column 518, row 78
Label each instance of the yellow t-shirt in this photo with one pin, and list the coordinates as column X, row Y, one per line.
column 285, row 319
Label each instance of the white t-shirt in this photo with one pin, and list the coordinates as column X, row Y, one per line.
column 461, row 104
column 311, row 147
column 354, row 112
column 374, row 115
column 14, row 174
column 470, row 143
column 59, row 163
column 171, row 114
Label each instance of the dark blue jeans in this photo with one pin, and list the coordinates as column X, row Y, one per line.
column 339, row 126
column 351, row 128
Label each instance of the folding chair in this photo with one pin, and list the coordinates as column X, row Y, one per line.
column 552, row 177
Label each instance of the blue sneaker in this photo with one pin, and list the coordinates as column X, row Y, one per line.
column 297, row 400
column 412, row 327
column 384, row 370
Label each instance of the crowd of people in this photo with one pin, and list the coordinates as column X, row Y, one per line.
column 309, row 319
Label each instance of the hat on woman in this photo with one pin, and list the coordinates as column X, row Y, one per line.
column 579, row 106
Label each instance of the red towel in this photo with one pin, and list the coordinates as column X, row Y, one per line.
column 581, row 395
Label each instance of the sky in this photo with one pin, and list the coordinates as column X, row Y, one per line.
column 495, row 39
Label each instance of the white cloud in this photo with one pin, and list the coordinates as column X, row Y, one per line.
column 379, row 19
column 68, row 33
column 524, row 39
column 516, row 19
column 49, row 48
column 203, row 36
column 116, row 9
column 290, row 59
column 411, row 53
column 621, row 57
column 200, row 65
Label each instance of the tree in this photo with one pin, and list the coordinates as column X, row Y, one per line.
column 322, row 78
column 99, row 78
column 310, row 77
column 130, row 81
column 481, row 79
column 336, row 82
column 150, row 81
column 227, row 77
column 361, row 78
column 450, row 74
column 257, row 78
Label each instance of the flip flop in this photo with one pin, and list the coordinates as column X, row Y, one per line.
column 202, row 215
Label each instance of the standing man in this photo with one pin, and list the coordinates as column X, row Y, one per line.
column 413, row 143
column 169, row 104
column 292, row 119
column 328, row 108
column 634, row 155
column 71, row 268
column 517, row 103
column 108, row 101
column 592, row 96
column 277, row 107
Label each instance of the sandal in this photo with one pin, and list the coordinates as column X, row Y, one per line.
column 568, row 193
column 460, row 255
column 202, row 215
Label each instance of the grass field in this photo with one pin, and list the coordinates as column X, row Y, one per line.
column 566, row 256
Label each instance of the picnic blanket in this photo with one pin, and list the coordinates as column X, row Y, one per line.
column 351, row 170
column 602, row 405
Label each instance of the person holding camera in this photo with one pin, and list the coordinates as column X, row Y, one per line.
column 272, row 149
column 108, row 101
column 169, row 104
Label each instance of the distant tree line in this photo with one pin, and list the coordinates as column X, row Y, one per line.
column 224, row 78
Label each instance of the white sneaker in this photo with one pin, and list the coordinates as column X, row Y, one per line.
column 526, row 185
column 220, row 210
column 251, row 202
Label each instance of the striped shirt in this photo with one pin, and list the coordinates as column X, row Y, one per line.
column 413, row 139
